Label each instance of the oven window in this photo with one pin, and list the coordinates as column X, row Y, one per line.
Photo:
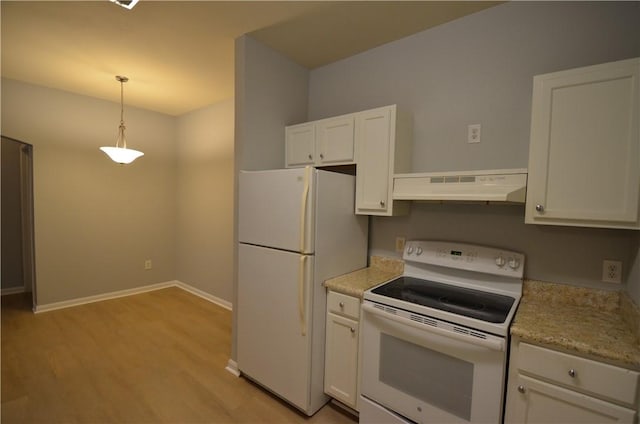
column 440, row 380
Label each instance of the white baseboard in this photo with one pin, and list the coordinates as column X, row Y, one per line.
column 106, row 296
column 211, row 298
column 12, row 290
column 130, row 292
column 232, row 367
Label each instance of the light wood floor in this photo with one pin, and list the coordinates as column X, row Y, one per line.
column 157, row 357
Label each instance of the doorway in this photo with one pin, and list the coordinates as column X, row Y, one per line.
column 18, row 258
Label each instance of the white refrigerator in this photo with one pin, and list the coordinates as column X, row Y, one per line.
column 296, row 228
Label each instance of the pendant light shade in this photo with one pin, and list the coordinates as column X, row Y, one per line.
column 120, row 153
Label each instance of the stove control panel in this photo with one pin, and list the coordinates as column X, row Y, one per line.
column 464, row 256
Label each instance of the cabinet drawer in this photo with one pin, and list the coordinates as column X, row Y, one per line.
column 343, row 304
column 581, row 374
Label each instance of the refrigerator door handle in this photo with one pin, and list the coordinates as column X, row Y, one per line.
column 301, row 303
column 303, row 210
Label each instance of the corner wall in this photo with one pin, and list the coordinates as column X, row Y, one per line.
column 204, row 226
column 96, row 222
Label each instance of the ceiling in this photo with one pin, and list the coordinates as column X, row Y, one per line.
column 179, row 55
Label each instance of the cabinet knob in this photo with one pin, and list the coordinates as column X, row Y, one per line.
column 539, row 208
column 341, row 304
column 572, row 373
column 310, row 157
column 382, row 202
column 321, row 156
column 353, row 330
column 521, row 389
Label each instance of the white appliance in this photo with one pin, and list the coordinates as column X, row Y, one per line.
column 497, row 185
column 435, row 339
column 296, row 228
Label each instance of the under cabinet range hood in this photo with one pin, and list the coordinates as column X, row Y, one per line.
column 497, row 185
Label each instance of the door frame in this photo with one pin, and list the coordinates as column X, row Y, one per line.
column 27, row 215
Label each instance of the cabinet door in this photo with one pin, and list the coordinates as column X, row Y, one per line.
column 374, row 139
column 299, row 145
column 540, row 402
column 334, row 141
column 584, row 158
column 341, row 359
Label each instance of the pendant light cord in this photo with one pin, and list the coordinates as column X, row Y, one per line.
column 121, row 128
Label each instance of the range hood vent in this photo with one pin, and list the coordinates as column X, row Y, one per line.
column 497, row 185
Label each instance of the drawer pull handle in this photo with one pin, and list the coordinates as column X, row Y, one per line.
column 521, row 389
column 572, row 373
column 341, row 304
column 353, row 330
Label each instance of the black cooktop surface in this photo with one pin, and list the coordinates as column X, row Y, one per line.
column 471, row 303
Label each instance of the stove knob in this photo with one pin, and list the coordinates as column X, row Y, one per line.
column 410, row 250
column 514, row 263
column 419, row 251
column 500, row 261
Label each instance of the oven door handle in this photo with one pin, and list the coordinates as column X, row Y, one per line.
column 492, row 344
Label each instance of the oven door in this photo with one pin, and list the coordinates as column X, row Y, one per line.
column 430, row 371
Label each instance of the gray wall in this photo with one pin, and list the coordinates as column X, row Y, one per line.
column 270, row 92
column 204, row 228
column 95, row 221
column 11, row 215
column 479, row 69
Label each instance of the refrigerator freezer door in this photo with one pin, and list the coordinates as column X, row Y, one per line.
column 274, row 322
column 276, row 208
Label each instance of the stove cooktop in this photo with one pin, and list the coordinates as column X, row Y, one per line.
column 489, row 307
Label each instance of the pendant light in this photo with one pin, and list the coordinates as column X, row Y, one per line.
column 120, row 153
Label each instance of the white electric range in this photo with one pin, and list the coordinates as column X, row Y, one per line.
column 435, row 339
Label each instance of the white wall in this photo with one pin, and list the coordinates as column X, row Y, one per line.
column 204, row 228
column 95, row 221
column 479, row 69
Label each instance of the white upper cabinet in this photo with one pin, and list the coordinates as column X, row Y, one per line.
column 300, row 145
column 334, row 141
column 584, row 155
column 383, row 144
column 377, row 141
column 320, row 143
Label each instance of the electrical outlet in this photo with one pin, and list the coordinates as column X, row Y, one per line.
column 611, row 271
column 148, row 264
column 473, row 133
column 400, row 244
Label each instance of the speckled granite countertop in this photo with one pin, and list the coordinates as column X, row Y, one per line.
column 596, row 324
column 356, row 283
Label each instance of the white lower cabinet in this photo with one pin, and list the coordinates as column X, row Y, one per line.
column 547, row 386
column 341, row 350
